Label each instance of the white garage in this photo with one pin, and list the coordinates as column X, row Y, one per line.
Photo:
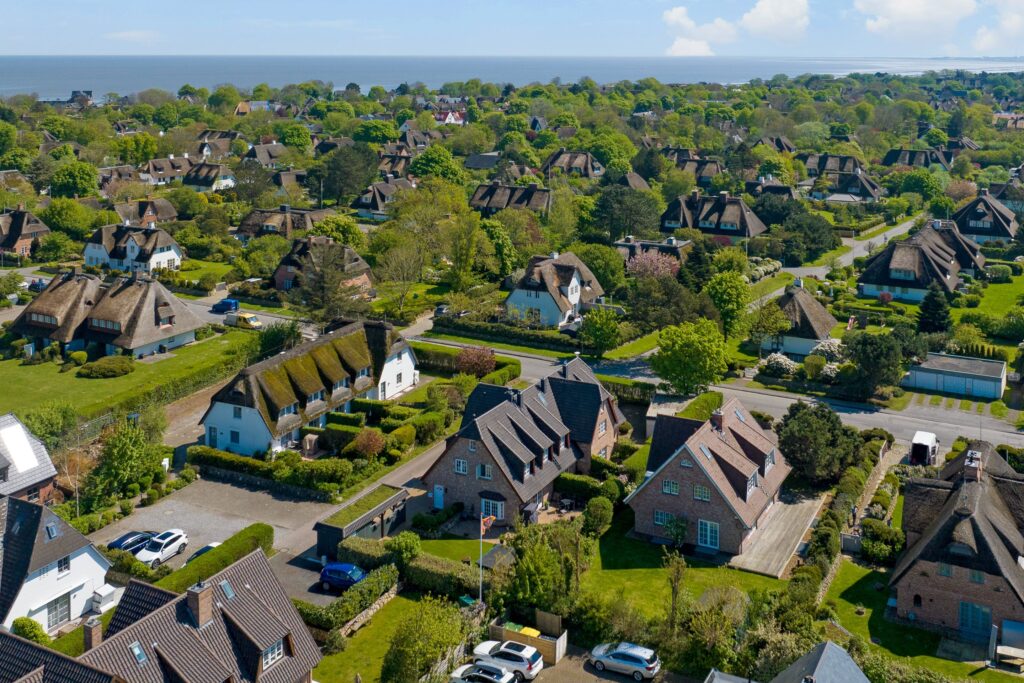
column 947, row 374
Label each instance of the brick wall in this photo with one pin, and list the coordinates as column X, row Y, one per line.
column 466, row 488
column 940, row 596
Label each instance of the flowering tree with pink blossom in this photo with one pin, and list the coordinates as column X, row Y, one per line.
column 652, row 264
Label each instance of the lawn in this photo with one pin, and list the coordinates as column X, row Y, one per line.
column 739, row 350
column 365, row 652
column 640, row 345
column 998, row 409
column 768, row 285
column 633, row 569
column 638, row 460
column 702, row 405
column 855, row 585
column 528, row 350
column 868, row 234
column 997, row 300
column 824, row 259
column 455, row 547
column 27, row 386
column 421, row 297
column 897, row 513
column 218, row 270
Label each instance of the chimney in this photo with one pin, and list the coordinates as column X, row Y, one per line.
column 724, row 194
column 973, row 466
column 185, row 155
column 495, row 183
column 533, row 186
column 716, row 420
column 200, row 603
column 93, row 633
column 983, row 192
column 170, row 156
column 671, row 239
column 695, row 194
column 285, row 208
column 629, row 239
column 554, row 254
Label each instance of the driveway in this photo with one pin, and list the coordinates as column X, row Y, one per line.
column 572, row 669
column 779, row 537
column 211, row 511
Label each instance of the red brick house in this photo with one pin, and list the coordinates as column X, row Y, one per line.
column 513, row 444
column 26, row 471
column 308, row 255
column 721, row 475
column 20, row 231
column 961, row 571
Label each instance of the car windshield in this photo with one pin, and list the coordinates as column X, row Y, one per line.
column 356, row 573
column 155, row 546
column 652, row 659
column 535, row 657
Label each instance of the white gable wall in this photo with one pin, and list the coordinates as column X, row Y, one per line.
column 87, row 573
column 253, row 433
column 398, row 375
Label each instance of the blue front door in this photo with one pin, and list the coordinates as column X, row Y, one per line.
column 975, row 621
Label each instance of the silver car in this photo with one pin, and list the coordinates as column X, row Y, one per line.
column 626, row 658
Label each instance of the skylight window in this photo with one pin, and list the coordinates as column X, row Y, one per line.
column 229, row 592
column 51, row 530
column 739, row 415
column 138, row 652
column 705, row 451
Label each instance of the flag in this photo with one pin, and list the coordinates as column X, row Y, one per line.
column 485, row 523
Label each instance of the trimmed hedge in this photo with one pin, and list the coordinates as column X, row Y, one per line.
column 337, row 436
column 350, row 419
column 351, row 603
column 402, row 438
column 441, row 576
column 327, row 475
column 374, row 410
column 602, row 468
column 578, row 486
column 107, row 367
column 505, row 372
column 227, row 553
column 437, row 358
column 429, row 427
column 497, row 332
column 364, row 552
column 629, row 390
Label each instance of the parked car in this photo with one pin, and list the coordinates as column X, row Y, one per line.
column 481, row 673
column 225, row 306
column 441, row 309
column 202, row 551
column 37, row 286
column 626, row 658
column 245, row 321
column 340, row 575
column 523, row 661
column 161, row 548
column 133, row 541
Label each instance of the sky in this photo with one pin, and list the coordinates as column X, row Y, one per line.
column 756, row 28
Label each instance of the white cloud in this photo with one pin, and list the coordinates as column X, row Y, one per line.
column 134, row 36
column 693, row 40
column 885, row 16
column 1006, row 33
column 777, row 18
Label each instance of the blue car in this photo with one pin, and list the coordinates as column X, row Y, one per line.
column 133, row 541
column 340, row 575
column 225, row 306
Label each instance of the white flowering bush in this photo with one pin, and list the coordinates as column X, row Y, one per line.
column 829, row 372
column 761, row 268
column 777, row 365
column 831, row 349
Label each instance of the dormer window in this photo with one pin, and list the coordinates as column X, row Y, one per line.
column 364, row 372
column 293, row 409
column 340, row 384
column 3, row 474
column 41, row 318
column 751, row 483
column 100, row 324
column 769, row 460
column 273, row 654
column 166, row 320
column 315, row 396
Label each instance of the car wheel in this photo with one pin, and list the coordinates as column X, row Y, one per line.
column 181, row 548
column 637, row 676
column 599, row 665
column 326, row 586
column 520, row 677
column 156, row 563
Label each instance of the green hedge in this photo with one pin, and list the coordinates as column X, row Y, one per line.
column 498, row 332
column 364, row 552
column 227, row 553
column 629, row 390
column 441, row 576
column 578, row 486
column 429, row 427
column 437, row 358
column 402, row 438
column 337, row 436
column 602, row 468
column 327, row 475
column 353, row 601
column 374, row 410
column 432, row 521
column 350, row 419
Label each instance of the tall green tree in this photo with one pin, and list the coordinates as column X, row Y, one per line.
column 766, row 320
column 126, row 456
column 933, row 315
column 816, row 442
column 343, row 173
column 730, row 293
column 342, row 229
column 878, row 359
column 437, row 161
column 691, row 356
column 74, row 179
column 68, row 217
column 600, row 330
column 622, row 211
column 422, row 639
column 324, row 289
column 604, row 262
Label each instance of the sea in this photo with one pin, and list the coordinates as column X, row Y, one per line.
column 51, row 77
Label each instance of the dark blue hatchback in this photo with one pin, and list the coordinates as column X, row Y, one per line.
column 340, row 575
column 133, row 541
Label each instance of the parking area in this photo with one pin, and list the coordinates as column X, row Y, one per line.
column 210, row 511
column 573, row 668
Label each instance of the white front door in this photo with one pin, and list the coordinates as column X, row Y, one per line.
column 707, row 534
column 438, row 497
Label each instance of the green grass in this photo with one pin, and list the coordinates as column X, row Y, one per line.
column 768, row 285
column 739, row 351
column 934, row 400
column 829, row 255
column 997, row 299
column 998, row 409
column 277, row 310
column 352, row 512
column 640, row 345
column 897, row 513
column 421, row 297
column 950, row 403
column 27, row 386
column 455, row 548
column 633, row 570
column 528, row 350
column 73, row 643
column 880, row 230
column 919, row 399
column 855, row 585
column 966, row 404
column 218, row 270
column 365, row 652
column 899, row 402
column 639, row 459
column 417, row 395
column 701, row 407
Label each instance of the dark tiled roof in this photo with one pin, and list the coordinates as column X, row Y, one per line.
column 829, row 163
column 630, row 247
column 551, row 273
column 809, row 319
column 158, row 209
column 31, row 537
column 710, row 213
column 257, row 614
column 986, row 208
column 933, row 254
column 17, row 225
column 920, row 158
column 22, row 661
column 280, row 221
column 670, row 433
column 23, row 455
column 572, row 163
column 494, row 196
column 825, row 663
column 377, row 195
column 138, row 600
column 115, row 238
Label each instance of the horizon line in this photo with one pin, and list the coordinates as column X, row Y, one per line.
column 529, row 56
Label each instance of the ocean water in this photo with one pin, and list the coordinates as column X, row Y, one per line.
column 57, row 76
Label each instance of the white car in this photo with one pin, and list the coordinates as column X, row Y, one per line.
column 481, row 673
column 161, row 548
column 522, row 660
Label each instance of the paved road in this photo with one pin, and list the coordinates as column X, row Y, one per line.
column 574, row 669
column 858, row 248
column 201, row 307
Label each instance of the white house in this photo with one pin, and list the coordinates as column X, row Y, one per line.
column 267, row 404
column 960, row 375
column 554, row 290
column 810, row 323
column 131, row 249
column 50, row 571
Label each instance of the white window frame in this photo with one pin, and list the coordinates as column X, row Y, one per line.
column 273, row 654
column 483, row 471
column 472, row 446
column 603, row 427
column 670, row 487
column 661, row 518
column 701, row 493
column 708, row 534
column 461, row 466
column 64, row 565
column 495, row 508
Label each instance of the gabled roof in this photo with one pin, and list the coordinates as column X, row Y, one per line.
column 712, row 213
column 756, row 188
column 918, row 157
column 835, row 163
column 380, row 193
column 780, row 143
column 318, row 365
column 133, row 212
column 138, row 600
column 280, row 221
column 483, row 162
column 17, row 225
column 22, row 661
column 963, row 365
column 630, row 247
column 168, row 168
column 23, row 456
column 250, row 613
column 267, row 155
column 986, row 208
column 572, row 163
column 809, row 319
column 495, row 196
column 729, row 448
column 634, row 181
column 137, row 304
column 301, row 261
column 206, row 174
column 115, row 239
column 551, row 273
column 825, row 663
column 933, row 254
column 31, row 537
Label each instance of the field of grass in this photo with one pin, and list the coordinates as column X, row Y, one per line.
column 640, row 345
column 997, row 299
column 854, row 586
column 27, row 386
column 529, row 350
column 423, row 296
column 218, row 270
column 455, row 548
column 770, row 284
column 829, row 255
column 365, row 652
column 633, row 570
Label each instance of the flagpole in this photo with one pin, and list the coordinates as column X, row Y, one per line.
column 481, row 562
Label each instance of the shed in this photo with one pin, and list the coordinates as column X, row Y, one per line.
column 960, row 375
column 373, row 515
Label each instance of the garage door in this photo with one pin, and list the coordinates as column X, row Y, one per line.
column 952, row 384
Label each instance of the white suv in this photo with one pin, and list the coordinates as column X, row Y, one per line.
column 161, row 548
column 522, row 660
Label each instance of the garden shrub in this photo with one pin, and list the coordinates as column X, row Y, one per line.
column 402, row 438
column 613, row 489
column 601, row 468
column 429, row 427
column 352, row 602
column 364, row 552
column 778, row 365
column 350, row 419
column 30, row 629
column 252, row 537
column 441, row 576
column 374, row 410
column 597, row 516
column 577, row 486
column 79, row 358
column 107, row 367
column 432, row 521
column 337, row 436
column 404, row 547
